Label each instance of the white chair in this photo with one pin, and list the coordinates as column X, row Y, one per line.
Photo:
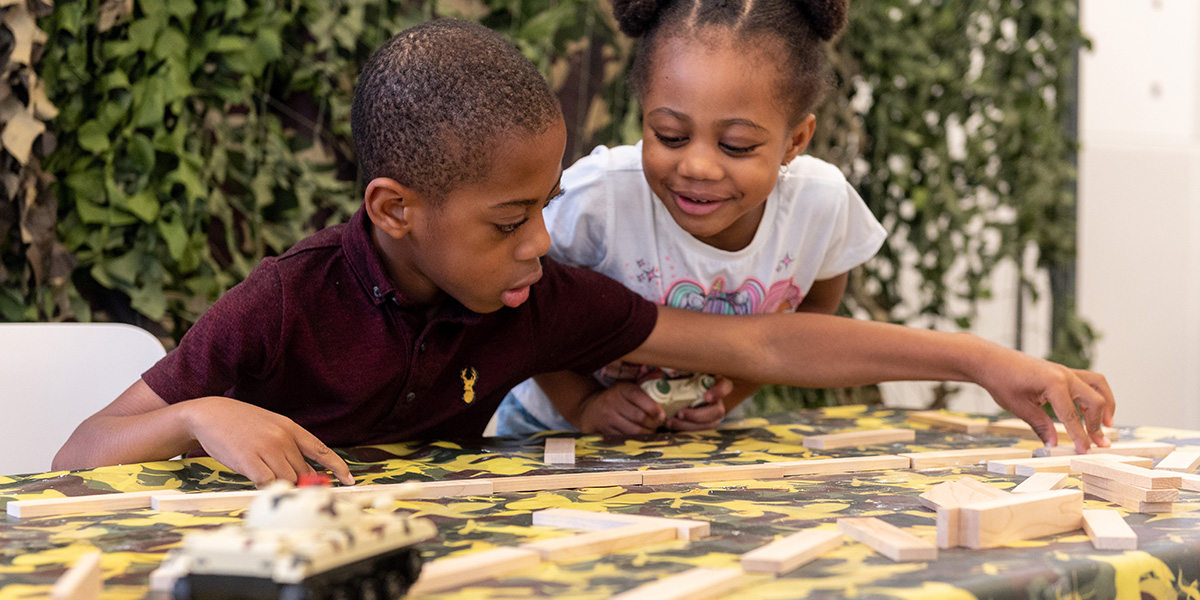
column 55, row 375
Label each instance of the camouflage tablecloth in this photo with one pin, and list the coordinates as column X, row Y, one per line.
column 744, row 515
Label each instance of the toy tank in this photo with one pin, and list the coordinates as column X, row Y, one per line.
column 675, row 395
column 302, row 544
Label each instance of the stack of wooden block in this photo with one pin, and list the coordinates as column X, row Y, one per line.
column 976, row 515
column 1135, row 488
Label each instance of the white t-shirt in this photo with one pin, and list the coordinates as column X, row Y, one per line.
column 814, row 227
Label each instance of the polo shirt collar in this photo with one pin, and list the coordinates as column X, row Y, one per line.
column 364, row 260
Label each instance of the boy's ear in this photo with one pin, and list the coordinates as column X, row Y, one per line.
column 390, row 206
column 799, row 138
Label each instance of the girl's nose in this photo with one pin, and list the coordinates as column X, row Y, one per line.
column 699, row 163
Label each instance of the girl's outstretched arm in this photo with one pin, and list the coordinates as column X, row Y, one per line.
column 813, row 350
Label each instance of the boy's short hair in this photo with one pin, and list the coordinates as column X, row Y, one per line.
column 434, row 102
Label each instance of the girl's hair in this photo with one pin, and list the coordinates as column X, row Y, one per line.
column 797, row 27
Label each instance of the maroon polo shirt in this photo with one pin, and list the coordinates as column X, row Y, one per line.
column 320, row 335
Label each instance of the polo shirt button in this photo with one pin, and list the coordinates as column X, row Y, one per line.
column 410, row 397
column 422, row 348
column 378, row 294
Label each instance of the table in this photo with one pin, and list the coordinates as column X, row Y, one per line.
column 744, row 515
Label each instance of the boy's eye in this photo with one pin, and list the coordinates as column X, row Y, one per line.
column 511, row 228
column 669, row 140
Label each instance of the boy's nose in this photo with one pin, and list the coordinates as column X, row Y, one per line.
column 538, row 243
column 699, row 163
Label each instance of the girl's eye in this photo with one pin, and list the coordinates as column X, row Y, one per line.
column 668, row 140
column 511, row 228
column 740, row 149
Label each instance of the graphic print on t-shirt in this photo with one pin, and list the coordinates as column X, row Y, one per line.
column 469, row 375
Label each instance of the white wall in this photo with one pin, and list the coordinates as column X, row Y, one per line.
column 1139, row 204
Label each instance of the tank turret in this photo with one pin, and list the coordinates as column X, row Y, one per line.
column 674, row 395
column 303, row 543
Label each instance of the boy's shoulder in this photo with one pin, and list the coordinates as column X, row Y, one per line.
column 330, row 238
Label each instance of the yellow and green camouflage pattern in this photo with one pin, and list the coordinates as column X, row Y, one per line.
column 744, row 515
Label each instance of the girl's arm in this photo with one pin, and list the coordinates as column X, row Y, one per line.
column 812, row 350
column 140, row 426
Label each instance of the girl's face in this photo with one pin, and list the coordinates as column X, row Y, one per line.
column 715, row 135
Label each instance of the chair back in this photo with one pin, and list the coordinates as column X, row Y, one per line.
column 55, row 375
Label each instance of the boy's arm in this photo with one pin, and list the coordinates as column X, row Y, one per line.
column 140, row 426
column 813, row 350
column 623, row 409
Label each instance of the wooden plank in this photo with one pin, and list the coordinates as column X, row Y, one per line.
column 1126, row 502
column 592, row 520
column 454, row 572
column 956, row 493
column 1021, row 429
column 720, row 473
column 970, row 456
column 887, row 539
column 1020, row 517
column 1145, row 449
column 423, row 490
column 1132, row 492
column 693, row 584
column 565, row 481
column 1108, row 530
column 1041, row 482
column 81, row 582
column 866, row 437
column 1190, row 482
column 602, row 542
column 203, row 501
column 73, row 505
column 560, row 451
column 1139, row 476
column 1180, row 460
column 787, row 554
column 1062, row 450
column 1062, row 464
column 941, row 420
column 852, row 464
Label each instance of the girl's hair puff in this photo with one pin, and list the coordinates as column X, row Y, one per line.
column 797, row 27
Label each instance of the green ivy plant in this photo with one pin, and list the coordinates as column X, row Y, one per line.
column 198, row 136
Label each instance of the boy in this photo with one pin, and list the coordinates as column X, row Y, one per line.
column 414, row 319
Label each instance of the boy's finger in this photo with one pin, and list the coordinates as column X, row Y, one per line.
column 1063, row 401
column 718, row 391
column 1093, row 411
column 315, row 449
column 1041, row 423
column 1099, row 383
column 281, row 467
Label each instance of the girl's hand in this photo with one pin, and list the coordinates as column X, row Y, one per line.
column 1022, row 384
column 623, row 409
column 707, row 415
column 262, row 445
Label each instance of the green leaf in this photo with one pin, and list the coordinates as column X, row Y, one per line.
column 93, row 137
column 144, row 205
column 125, row 268
column 149, row 300
column 141, row 153
column 148, row 102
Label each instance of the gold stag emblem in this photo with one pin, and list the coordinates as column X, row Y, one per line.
column 469, row 375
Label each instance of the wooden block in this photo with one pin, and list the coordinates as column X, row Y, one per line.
column 1138, row 476
column 602, row 542
column 1179, row 460
column 694, row 584
column 859, row 438
column 57, row 507
column 1021, row 429
column 1062, row 450
column 784, row 555
column 956, row 493
column 1108, row 530
column 827, row 466
column 950, row 458
column 1041, row 482
column 592, row 520
column 203, row 501
column 449, row 573
column 887, row 539
column 1052, row 465
column 423, row 490
column 565, row 481
column 1132, row 492
column 1127, row 502
column 1145, row 449
column 1190, row 482
column 81, row 582
column 722, row 473
column 560, row 451
column 1017, row 517
column 941, row 420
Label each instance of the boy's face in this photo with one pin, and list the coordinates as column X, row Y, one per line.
column 714, row 136
column 483, row 243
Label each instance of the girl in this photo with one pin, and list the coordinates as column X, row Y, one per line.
column 715, row 209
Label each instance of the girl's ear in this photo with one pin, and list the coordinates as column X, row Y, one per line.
column 799, row 138
column 391, row 206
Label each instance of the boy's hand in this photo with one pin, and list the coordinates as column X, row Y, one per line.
column 623, row 409
column 1022, row 384
column 262, row 445
column 707, row 415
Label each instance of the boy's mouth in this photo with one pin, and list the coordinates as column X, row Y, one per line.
column 697, row 206
column 516, row 296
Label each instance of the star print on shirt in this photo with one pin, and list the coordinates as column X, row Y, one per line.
column 784, row 262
